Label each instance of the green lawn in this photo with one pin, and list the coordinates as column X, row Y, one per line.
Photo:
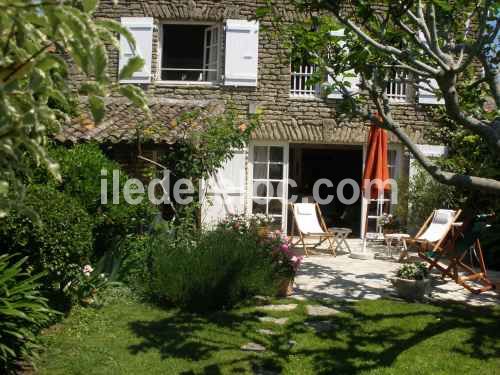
column 370, row 337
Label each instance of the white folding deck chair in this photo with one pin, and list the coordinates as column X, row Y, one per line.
column 432, row 235
column 308, row 220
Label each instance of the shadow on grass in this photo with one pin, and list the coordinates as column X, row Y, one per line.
column 365, row 336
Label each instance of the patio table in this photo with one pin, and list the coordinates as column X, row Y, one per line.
column 340, row 237
column 396, row 241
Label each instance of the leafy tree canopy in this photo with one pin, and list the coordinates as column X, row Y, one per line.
column 40, row 43
column 449, row 48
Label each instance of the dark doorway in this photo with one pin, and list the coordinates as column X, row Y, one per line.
column 309, row 163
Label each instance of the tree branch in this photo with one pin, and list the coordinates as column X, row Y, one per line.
column 492, row 77
column 444, row 177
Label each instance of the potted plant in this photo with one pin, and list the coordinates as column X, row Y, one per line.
column 262, row 224
column 388, row 223
column 258, row 223
column 286, row 262
column 412, row 281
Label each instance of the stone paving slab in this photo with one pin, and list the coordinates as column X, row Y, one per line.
column 289, row 307
column 269, row 319
column 327, row 277
column 253, row 347
column 318, row 310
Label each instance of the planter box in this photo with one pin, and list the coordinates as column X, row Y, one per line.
column 412, row 289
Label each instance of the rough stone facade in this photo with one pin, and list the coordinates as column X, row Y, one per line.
column 284, row 118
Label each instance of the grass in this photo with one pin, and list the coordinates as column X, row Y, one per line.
column 369, row 337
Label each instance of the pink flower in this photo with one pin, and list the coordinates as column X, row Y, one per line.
column 284, row 247
column 87, row 270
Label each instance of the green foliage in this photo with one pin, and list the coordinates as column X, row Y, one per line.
column 35, row 92
column 23, row 312
column 81, row 168
column 90, row 283
column 57, row 240
column 202, row 153
column 426, row 195
column 413, row 271
column 468, row 154
column 134, row 254
column 216, row 271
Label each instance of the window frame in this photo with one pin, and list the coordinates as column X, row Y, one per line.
column 314, row 92
column 159, row 66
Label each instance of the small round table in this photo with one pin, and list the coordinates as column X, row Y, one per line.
column 396, row 241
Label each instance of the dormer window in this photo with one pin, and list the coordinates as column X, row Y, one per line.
column 190, row 53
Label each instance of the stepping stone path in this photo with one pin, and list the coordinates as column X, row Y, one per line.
column 317, row 310
column 320, row 325
column 253, row 347
column 266, row 332
column 288, row 307
column 269, row 319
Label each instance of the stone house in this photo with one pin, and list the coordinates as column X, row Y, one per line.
column 209, row 53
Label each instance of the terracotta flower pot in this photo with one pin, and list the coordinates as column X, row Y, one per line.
column 285, row 288
column 412, row 289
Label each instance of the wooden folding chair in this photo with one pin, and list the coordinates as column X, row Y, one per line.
column 468, row 246
column 435, row 234
column 309, row 223
column 452, row 246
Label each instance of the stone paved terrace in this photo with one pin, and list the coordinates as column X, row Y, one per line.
column 323, row 276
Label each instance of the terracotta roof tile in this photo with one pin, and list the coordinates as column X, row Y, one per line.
column 123, row 120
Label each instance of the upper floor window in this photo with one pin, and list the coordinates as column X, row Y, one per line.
column 190, row 52
column 299, row 81
column 397, row 88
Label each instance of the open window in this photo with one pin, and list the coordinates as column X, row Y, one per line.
column 190, row 52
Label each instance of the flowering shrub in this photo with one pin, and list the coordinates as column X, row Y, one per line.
column 286, row 261
column 413, row 271
column 245, row 223
column 385, row 220
column 88, row 283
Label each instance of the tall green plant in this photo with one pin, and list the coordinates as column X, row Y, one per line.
column 426, row 195
column 23, row 312
column 202, row 153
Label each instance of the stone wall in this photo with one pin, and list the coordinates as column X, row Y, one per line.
column 284, row 118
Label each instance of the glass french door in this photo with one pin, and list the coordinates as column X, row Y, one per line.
column 377, row 207
column 269, row 173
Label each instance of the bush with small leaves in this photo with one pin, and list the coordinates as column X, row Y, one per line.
column 217, row 270
column 54, row 231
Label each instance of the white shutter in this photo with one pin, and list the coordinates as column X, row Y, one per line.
column 428, row 96
column 242, row 47
column 225, row 191
column 354, row 81
column 142, row 30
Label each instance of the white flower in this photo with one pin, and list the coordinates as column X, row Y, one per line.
column 87, row 270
